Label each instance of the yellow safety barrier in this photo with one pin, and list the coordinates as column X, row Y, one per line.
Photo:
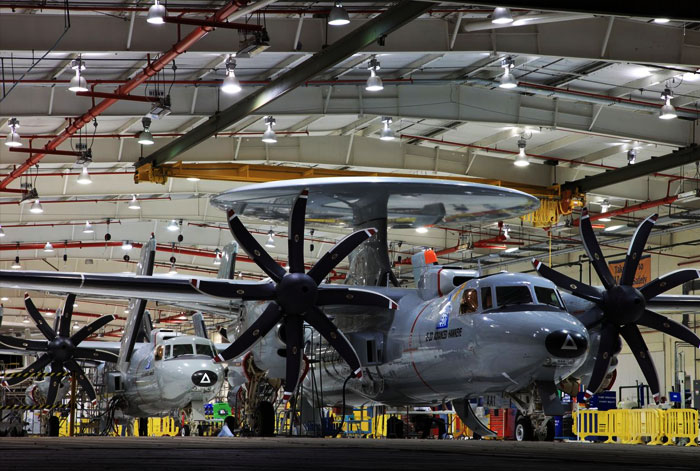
column 682, row 423
column 633, row 425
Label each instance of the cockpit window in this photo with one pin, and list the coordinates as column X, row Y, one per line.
column 547, row 296
column 506, row 295
column 182, row 349
column 204, row 349
column 158, row 355
column 486, row 298
column 469, row 302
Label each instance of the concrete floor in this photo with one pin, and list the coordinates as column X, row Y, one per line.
column 279, row 454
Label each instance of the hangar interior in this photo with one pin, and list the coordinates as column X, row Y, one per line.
column 601, row 107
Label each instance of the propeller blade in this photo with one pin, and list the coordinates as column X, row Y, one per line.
column 294, row 337
column 41, row 324
column 665, row 325
column 235, row 290
column 359, row 297
column 667, row 282
column 634, row 339
column 38, row 365
column 84, row 382
column 253, row 248
column 590, row 244
column 339, row 251
column 319, row 321
column 635, row 250
column 295, row 237
column 95, row 354
column 609, row 342
column 262, row 325
column 22, row 344
column 54, row 383
column 591, row 317
column 66, row 316
column 576, row 288
column 91, row 328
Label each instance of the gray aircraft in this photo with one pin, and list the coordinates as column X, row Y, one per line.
column 158, row 371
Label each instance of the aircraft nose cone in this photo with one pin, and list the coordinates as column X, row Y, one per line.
column 204, row 378
column 566, row 343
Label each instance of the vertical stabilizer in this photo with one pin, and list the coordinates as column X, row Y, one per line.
column 200, row 328
column 137, row 306
column 228, row 261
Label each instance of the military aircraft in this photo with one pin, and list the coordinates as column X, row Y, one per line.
column 159, row 371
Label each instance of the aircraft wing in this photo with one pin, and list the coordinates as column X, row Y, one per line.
column 166, row 289
column 110, row 347
column 675, row 302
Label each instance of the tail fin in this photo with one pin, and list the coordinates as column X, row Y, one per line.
column 228, row 262
column 200, row 328
column 144, row 333
column 421, row 261
column 137, row 306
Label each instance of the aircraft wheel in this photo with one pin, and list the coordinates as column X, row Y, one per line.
column 523, row 429
column 264, row 420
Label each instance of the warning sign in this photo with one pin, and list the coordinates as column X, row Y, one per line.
column 643, row 275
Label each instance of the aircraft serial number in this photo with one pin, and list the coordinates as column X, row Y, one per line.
column 443, row 334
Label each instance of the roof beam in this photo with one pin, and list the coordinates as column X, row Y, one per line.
column 385, row 23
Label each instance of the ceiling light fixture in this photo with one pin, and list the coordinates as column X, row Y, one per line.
column 4, row 298
column 374, row 82
column 78, row 82
column 36, row 207
column 501, row 16
column 48, row 247
column 2, row 232
column 16, row 265
column 126, row 246
column 604, row 208
column 156, row 14
column 511, row 250
column 338, row 16
column 661, row 21
column 217, row 257
column 422, row 230
column 613, row 228
column 667, row 111
column 521, row 158
column 145, row 136
column 173, row 226
column 387, row 134
column 507, row 80
column 134, row 203
column 269, row 136
column 631, row 157
column 84, row 178
column 13, row 139
column 231, row 85
column 172, row 270
column 270, row 239
column 88, row 228
column 192, row 179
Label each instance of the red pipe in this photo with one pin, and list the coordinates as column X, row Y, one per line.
column 109, row 200
column 162, row 134
column 118, row 96
column 631, row 209
column 147, row 72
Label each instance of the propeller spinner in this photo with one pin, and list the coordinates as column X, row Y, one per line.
column 620, row 307
column 295, row 297
column 61, row 349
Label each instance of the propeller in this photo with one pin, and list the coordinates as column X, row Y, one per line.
column 619, row 308
column 295, row 295
column 60, row 348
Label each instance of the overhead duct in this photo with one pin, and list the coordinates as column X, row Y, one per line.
column 371, row 31
column 226, row 12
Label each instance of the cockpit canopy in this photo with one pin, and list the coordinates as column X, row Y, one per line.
column 507, row 289
column 180, row 346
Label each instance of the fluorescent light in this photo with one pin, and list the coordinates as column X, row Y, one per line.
column 36, row 207
column 511, row 250
column 661, row 21
column 4, row 298
column 16, row 265
column 48, row 247
column 126, row 245
column 192, row 179
column 88, row 228
column 134, row 203
column 173, row 226
column 501, row 16
column 613, row 228
column 2, row 232
column 270, row 240
column 84, row 178
column 387, row 134
column 156, row 14
column 338, row 16
column 421, row 230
